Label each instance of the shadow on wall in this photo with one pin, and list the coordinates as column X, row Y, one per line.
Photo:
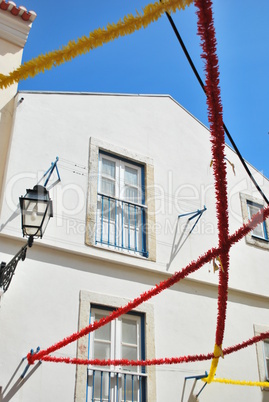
column 9, row 391
column 186, row 232
column 265, row 396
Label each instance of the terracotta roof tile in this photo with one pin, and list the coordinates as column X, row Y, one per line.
column 20, row 11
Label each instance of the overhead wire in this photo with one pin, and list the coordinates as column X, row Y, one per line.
column 224, row 126
column 73, row 163
column 73, row 167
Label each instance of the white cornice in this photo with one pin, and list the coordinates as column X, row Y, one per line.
column 14, row 29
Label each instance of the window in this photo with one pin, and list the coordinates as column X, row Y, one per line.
column 262, row 350
column 138, row 339
column 121, row 209
column 122, row 338
column 259, row 231
column 266, row 358
column 120, row 203
column 259, row 235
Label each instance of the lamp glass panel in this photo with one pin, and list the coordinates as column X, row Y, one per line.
column 45, row 223
column 33, row 214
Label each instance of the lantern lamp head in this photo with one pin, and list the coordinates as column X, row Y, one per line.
column 36, row 211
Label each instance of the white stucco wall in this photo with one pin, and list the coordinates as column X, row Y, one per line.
column 50, row 125
column 42, row 306
column 10, row 58
column 43, row 299
column 13, row 35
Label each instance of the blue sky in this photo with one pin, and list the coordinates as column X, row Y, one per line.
column 150, row 61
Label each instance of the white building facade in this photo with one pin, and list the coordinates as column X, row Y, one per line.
column 132, row 168
column 135, row 203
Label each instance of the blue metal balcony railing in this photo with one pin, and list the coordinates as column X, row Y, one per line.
column 121, row 224
column 115, row 386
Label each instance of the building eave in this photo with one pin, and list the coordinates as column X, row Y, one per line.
column 15, row 23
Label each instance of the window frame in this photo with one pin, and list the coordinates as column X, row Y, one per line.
column 116, row 344
column 116, row 338
column 266, row 365
column 87, row 299
column 101, row 174
column 126, row 236
column 262, row 368
column 121, row 162
column 262, row 224
column 251, row 238
column 97, row 146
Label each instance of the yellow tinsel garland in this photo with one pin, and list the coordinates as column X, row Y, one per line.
column 214, row 364
column 238, row 382
column 96, row 38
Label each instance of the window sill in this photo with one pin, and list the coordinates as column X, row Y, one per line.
column 257, row 242
column 112, row 249
column 266, row 241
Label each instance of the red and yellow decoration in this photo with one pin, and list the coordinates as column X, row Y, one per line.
column 128, row 25
column 192, row 267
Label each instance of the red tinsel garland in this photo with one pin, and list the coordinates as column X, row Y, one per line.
column 206, row 31
column 156, row 362
column 192, row 267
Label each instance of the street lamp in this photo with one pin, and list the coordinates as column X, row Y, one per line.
column 36, row 210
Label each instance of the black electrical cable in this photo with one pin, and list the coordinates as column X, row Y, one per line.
column 224, row 126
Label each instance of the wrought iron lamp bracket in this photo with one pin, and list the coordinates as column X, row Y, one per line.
column 7, row 270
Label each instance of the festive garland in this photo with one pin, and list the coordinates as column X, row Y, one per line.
column 236, row 348
column 207, row 33
column 126, row 362
column 240, row 382
column 96, row 38
column 192, row 267
column 172, row 360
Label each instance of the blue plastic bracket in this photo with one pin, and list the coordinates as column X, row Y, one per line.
column 194, row 214
column 50, row 171
column 195, row 377
column 28, row 365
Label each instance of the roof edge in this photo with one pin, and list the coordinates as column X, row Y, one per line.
column 20, row 12
column 15, row 23
column 139, row 95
